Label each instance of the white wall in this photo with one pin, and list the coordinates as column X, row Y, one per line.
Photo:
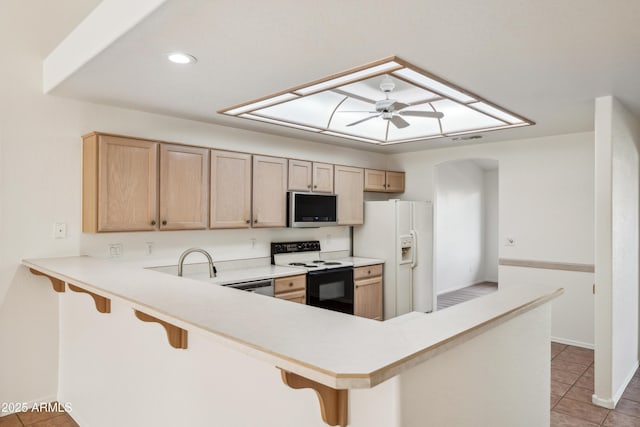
column 459, row 225
column 491, row 222
column 617, row 251
column 40, row 184
column 546, row 204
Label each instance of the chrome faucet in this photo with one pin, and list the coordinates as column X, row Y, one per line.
column 212, row 268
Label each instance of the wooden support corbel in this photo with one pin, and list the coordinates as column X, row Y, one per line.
column 177, row 336
column 103, row 304
column 333, row 403
column 58, row 285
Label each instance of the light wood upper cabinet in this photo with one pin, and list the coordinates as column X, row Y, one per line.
column 120, row 184
column 230, row 189
column 375, row 180
column 310, row 176
column 349, row 186
column 184, row 187
column 269, row 191
column 383, row 181
column 367, row 296
column 323, row 177
column 395, row 182
column 300, row 175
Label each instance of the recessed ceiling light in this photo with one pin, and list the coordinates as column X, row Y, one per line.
column 181, row 58
column 386, row 102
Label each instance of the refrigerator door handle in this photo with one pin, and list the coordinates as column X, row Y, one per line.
column 414, row 248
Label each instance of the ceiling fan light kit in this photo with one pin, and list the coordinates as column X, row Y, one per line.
column 386, row 102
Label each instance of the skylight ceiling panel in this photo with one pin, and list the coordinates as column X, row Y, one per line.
column 458, row 117
column 313, row 110
column 434, row 85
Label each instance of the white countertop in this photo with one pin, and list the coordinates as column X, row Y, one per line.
column 361, row 262
column 225, row 277
column 335, row 349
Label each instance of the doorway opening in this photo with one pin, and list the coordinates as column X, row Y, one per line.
column 465, row 230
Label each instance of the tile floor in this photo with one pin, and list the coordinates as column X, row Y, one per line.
column 38, row 419
column 572, row 387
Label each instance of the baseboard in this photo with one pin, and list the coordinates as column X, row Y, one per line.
column 605, row 403
column 572, row 342
column 611, row 403
column 30, row 404
column 618, row 394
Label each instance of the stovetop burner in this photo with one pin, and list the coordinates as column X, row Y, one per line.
column 302, row 254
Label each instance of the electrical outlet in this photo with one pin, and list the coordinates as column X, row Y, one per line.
column 115, row 250
column 510, row 241
column 253, row 242
column 149, row 248
column 60, row 230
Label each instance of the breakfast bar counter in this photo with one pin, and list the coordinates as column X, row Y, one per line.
column 312, row 347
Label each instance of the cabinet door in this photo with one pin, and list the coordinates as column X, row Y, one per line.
column 323, row 177
column 269, row 191
column 184, row 187
column 230, row 189
column 299, row 175
column 296, row 296
column 395, row 182
column 374, row 180
column 367, row 299
column 127, row 184
column 349, row 186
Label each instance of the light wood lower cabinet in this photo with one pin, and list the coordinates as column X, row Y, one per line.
column 368, row 291
column 230, row 190
column 184, row 187
column 349, row 186
column 269, row 192
column 119, row 184
column 291, row 288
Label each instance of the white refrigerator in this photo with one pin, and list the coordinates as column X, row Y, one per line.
column 400, row 233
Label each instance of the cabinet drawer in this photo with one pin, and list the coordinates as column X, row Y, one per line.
column 290, row 283
column 368, row 271
column 295, row 296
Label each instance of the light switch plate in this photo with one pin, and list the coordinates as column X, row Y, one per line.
column 60, row 230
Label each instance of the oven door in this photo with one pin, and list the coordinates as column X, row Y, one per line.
column 331, row 289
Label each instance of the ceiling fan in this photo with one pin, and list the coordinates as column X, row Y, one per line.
column 390, row 109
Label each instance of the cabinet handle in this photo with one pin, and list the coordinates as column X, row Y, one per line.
column 290, row 284
column 164, row 222
column 315, row 186
column 357, row 286
column 368, row 271
column 309, row 186
column 153, row 222
column 255, row 221
column 247, row 221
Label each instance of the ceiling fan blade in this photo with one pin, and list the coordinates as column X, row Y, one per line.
column 399, row 106
column 415, row 113
column 363, row 120
column 399, row 122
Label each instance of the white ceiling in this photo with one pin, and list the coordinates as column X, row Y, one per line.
column 543, row 59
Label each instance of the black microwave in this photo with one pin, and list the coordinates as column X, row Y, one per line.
column 312, row 209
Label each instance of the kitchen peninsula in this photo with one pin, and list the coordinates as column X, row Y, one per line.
column 403, row 372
